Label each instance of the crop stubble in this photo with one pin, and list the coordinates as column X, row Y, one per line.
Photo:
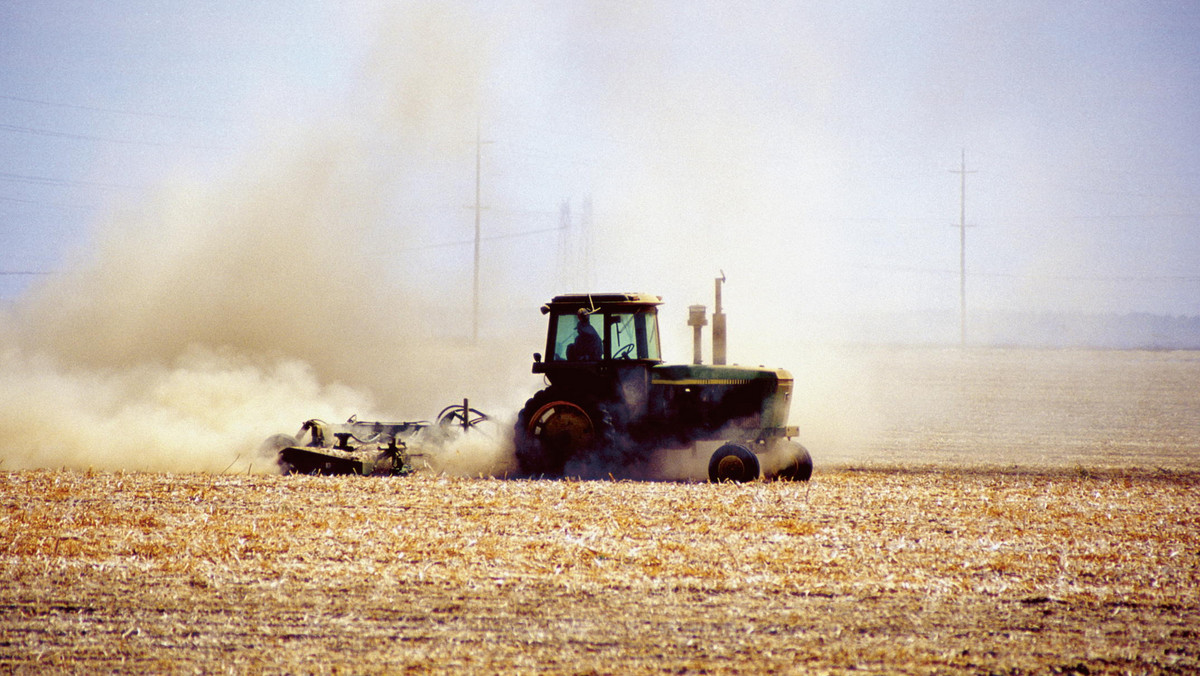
column 1040, row 408
column 1021, row 513
column 887, row 570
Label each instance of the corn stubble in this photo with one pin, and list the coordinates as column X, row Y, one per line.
column 885, row 570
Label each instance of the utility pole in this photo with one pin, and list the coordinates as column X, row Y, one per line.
column 475, row 285
column 962, row 251
column 478, row 209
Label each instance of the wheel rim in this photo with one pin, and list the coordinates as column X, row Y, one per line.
column 562, row 426
column 731, row 468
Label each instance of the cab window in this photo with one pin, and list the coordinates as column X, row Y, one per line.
column 576, row 341
column 633, row 335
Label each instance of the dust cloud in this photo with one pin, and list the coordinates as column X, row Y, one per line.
column 216, row 313
column 483, row 451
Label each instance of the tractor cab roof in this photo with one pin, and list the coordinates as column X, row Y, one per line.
column 594, row 301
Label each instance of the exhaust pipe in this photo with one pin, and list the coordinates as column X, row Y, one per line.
column 718, row 327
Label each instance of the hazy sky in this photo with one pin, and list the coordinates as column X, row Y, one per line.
column 808, row 150
column 242, row 215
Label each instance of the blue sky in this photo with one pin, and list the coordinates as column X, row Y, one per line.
column 805, row 149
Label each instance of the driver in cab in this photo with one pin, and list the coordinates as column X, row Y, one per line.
column 587, row 345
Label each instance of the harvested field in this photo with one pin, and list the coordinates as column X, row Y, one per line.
column 888, row 571
column 992, row 512
column 1003, row 408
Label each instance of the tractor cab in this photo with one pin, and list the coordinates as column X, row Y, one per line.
column 593, row 332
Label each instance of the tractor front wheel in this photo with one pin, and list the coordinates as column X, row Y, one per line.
column 798, row 465
column 733, row 462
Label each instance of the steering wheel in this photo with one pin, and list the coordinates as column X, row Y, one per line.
column 624, row 352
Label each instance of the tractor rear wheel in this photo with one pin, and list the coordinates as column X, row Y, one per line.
column 733, row 462
column 555, row 426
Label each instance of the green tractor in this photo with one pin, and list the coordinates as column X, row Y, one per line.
column 612, row 402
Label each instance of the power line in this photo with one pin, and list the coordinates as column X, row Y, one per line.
column 103, row 139
column 96, row 109
column 49, row 180
column 43, row 203
column 467, row 242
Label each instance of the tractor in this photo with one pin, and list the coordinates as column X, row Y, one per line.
column 611, row 401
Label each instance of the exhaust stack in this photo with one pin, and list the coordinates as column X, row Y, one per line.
column 718, row 327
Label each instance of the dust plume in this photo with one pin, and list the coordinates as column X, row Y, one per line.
column 216, row 313
column 485, row 450
column 205, row 411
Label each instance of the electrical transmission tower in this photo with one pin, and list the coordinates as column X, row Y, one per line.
column 564, row 274
column 585, row 243
column 575, row 246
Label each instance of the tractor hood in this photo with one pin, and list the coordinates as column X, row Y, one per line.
column 760, row 395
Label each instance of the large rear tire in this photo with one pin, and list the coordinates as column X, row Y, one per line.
column 555, row 426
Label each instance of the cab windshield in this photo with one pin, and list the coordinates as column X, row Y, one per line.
column 633, row 335
column 605, row 335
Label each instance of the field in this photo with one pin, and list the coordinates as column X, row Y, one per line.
column 1010, row 520
column 1005, row 408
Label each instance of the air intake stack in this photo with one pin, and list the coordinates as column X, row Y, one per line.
column 697, row 319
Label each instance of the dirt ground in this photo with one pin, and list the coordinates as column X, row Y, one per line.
column 919, row 562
